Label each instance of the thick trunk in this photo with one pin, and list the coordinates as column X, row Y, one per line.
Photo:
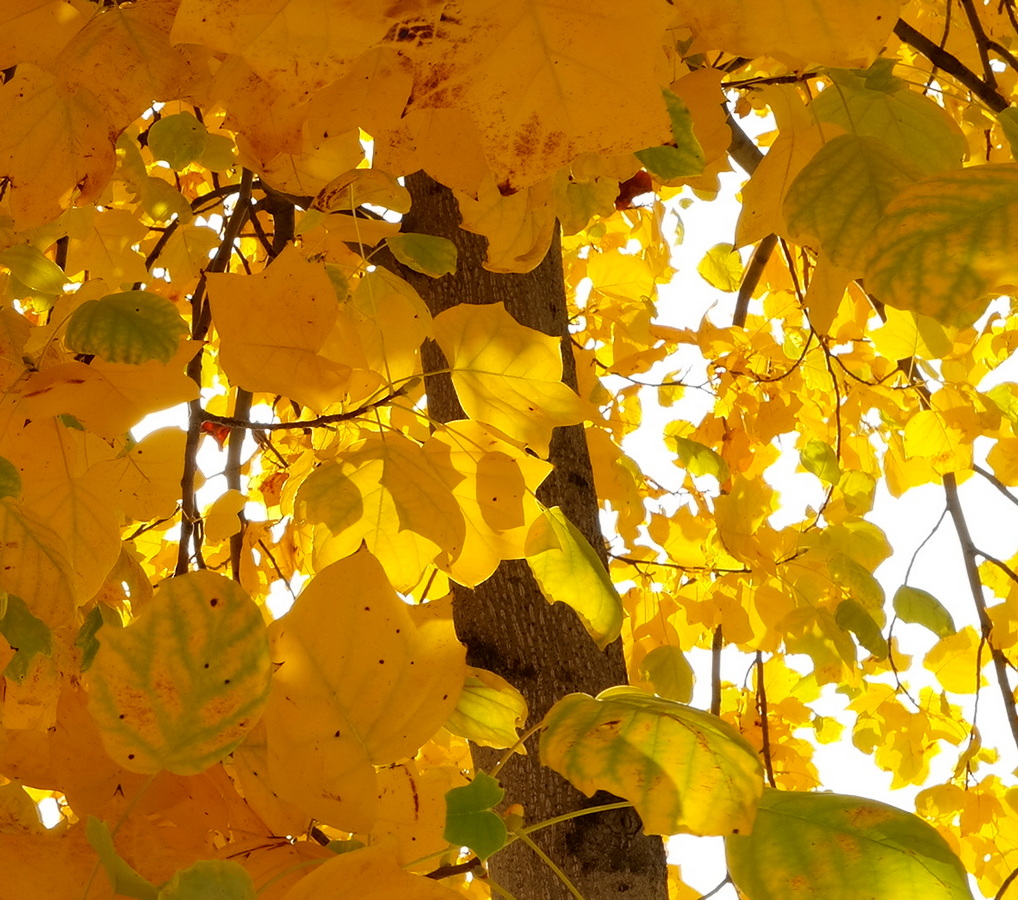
column 508, row 626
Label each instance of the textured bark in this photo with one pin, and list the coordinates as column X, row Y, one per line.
column 507, row 625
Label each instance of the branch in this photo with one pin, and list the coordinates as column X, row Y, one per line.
column 715, row 671
column 317, row 422
column 969, row 553
column 457, row 869
column 950, row 64
column 751, row 278
column 981, row 42
column 996, row 482
column 242, row 408
column 761, row 698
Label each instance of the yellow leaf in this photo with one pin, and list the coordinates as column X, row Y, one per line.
column 36, row 567
column 145, row 483
column 34, row 30
column 953, row 660
column 928, row 435
column 222, row 519
column 947, row 242
column 505, row 374
column 358, row 683
column 180, row 687
column 905, row 334
column 56, row 146
column 569, row 571
column 721, row 268
column 685, row 771
column 372, row 873
column 264, row 350
column 489, row 711
column 796, row 31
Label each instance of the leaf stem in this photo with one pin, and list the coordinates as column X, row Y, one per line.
column 550, row 863
column 575, row 814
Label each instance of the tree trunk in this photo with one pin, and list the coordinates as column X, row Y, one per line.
column 507, row 625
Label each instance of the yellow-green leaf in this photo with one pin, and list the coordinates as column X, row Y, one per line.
column 851, row 616
column 721, row 268
column 948, row 242
column 820, row 459
column 434, row 256
column 182, row 685
column 684, row 157
column 699, row 459
column 684, row 770
column 568, row 571
column 131, row 327
column 26, row 634
column 505, row 374
column 10, row 479
column 669, row 671
column 922, row 608
column 841, row 193
column 838, row 847
column 123, row 877
column 34, row 270
column 210, row 879
column 489, row 711
column 876, row 104
column 179, row 139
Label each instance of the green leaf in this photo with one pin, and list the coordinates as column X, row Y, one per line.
column 86, row 641
column 860, row 584
column 425, row 253
column 850, row 616
column 699, row 459
column 124, row 879
column 178, row 140
column 489, row 711
column 183, row 684
column 837, row 847
column 33, row 269
column 670, row 672
column 130, row 327
column 721, row 268
column 10, row 479
column 684, row 770
column 469, row 820
column 26, row 634
column 876, row 104
column 210, row 879
column 683, row 159
column 569, row 571
column 819, row 458
column 948, row 242
column 921, row 608
column 841, row 193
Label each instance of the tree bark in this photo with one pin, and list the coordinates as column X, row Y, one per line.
column 507, row 625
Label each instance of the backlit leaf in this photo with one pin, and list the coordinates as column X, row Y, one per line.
column 683, row 157
column 132, row 327
column 820, row 459
column 684, row 770
column 947, row 242
column 569, row 571
column 670, row 672
column 489, row 711
column 841, row 193
column 33, row 269
column 180, row 686
column 721, row 268
column 358, row 683
column 506, row 375
column 470, row 821
column 918, row 606
column 838, row 847
column 10, row 479
column 700, row 459
column 851, row 616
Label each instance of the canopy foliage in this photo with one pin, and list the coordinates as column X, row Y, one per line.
column 200, row 209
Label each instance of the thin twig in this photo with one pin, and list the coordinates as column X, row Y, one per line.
column 715, row 671
column 996, row 482
column 751, row 278
column 317, row 422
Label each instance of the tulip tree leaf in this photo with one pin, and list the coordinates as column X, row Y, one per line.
column 210, row 879
column 179, row 139
column 182, row 685
column 819, row 458
column 123, row 878
column 27, row 635
column 684, row 770
column 807, row 846
column 33, row 269
column 426, row 253
column 489, row 710
column 670, row 672
column 10, row 479
column 684, row 157
column 948, row 242
column 568, row 570
column 131, row 327
column 922, row 608
column 470, row 821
